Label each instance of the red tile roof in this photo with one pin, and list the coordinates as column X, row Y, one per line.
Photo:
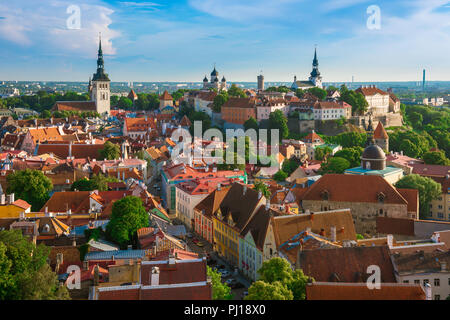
column 371, row 91
column 380, row 133
column 354, row 188
column 360, row 291
column 75, row 106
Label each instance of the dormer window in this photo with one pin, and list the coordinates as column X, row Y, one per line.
column 46, row 229
column 381, row 197
column 325, row 195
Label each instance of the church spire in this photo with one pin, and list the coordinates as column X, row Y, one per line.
column 315, row 72
column 100, row 74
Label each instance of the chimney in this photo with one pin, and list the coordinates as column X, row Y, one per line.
column 390, row 240
column 46, row 211
column 130, row 247
column 244, row 190
column 443, row 266
column 96, row 275
column 86, row 265
column 259, row 194
column 218, row 187
column 11, row 198
column 428, row 291
column 312, row 216
column 155, row 277
column 172, row 260
column 333, row 233
column 3, row 198
column 267, row 204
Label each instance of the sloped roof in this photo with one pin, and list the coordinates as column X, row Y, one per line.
column 75, row 106
column 360, row 291
column 354, row 188
column 371, row 91
column 166, row 96
column 212, row 202
column 380, row 133
column 347, row 264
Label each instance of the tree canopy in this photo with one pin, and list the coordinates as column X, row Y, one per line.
column 220, row 291
column 110, row 151
column 24, row 272
column 352, row 155
column 30, row 185
column 428, row 190
column 260, row 186
column 334, row 165
column 278, row 121
column 98, row 182
column 128, row 215
column 279, row 282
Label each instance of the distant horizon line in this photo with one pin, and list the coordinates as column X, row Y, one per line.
column 229, row 82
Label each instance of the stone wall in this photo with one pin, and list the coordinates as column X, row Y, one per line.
column 364, row 213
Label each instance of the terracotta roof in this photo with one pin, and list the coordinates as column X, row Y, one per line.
column 380, row 133
column 78, row 150
column 22, row 204
column 166, row 96
column 75, row 106
column 348, row 264
column 312, row 137
column 212, row 202
column 240, row 103
column 395, row 226
column 44, row 134
column 354, row 188
column 240, row 202
column 286, row 227
column 139, row 124
column 132, row 95
column 206, row 96
column 185, row 122
column 330, row 105
column 371, row 91
column 412, row 196
column 360, row 291
column 420, row 261
column 429, row 170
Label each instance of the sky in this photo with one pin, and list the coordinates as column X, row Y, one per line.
column 181, row 40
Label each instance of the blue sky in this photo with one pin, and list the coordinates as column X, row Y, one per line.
column 180, row 40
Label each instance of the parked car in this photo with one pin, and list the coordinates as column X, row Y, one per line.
column 237, row 285
column 244, row 294
column 225, row 273
column 200, row 244
column 230, row 281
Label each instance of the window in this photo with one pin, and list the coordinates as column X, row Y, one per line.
column 418, row 281
column 437, row 282
column 405, row 281
column 425, row 281
column 437, row 297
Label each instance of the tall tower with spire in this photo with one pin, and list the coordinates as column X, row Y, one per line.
column 100, row 84
column 315, row 74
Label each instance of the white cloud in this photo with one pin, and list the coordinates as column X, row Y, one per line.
column 239, row 10
column 42, row 25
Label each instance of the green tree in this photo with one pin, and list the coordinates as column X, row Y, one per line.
column 235, row 91
column 83, row 185
column 321, row 94
column 322, row 153
column 24, row 272
column 289, row 166
column 334, row 165
column 299, row 93
column 220, row 291
column 261, row 290
column 125, row 103
column 114, row 101
column 428, row 190
column 110, row 151
column 219, row 101
column 280, row 176
column 352, row 155
column 251, row 124
column 416, row 119
column 436, row 157
column 278, row 270
column 278, row 121
column 128, row 215
column 30, row 185
column 259, row 186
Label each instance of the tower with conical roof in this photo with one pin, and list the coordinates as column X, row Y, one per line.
column 315, row 76
column 100, row 84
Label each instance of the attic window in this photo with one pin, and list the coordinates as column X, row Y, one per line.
column 325, row 195
column 381, row 197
